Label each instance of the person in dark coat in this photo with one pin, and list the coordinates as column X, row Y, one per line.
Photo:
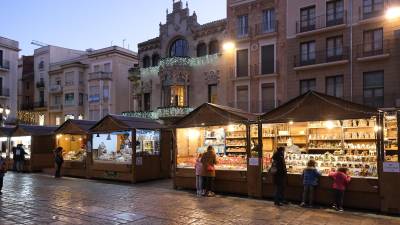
column 209, row 160
column 59, row 160
column 279, row 176
column 20, row 157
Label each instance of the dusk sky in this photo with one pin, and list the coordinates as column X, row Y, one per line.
column 83, row 24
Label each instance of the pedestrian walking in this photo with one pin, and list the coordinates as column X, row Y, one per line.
column 199, row 175
column 310, row 181
column 20, row 157
column 3, row 170
column 279, row 172
column 209, row 160
column 340, row 181
column 59, row 160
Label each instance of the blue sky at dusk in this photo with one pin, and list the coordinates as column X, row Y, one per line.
column 82, row 24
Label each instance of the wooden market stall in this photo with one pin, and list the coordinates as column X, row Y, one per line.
column 73, row 136
column 227, row 130
column 334, row 132
column 129, row 149
column 38, row 142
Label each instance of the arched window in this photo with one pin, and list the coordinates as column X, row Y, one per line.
column 179, row 48
column 146, row 61
column 201, row 49
column 155, row 60
column 213, row 47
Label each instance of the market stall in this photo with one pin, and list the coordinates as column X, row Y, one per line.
column 128, row 149
column 73, row 137
column 38, row 142
column 227, row 130
column 335, row 133
column 5, row 144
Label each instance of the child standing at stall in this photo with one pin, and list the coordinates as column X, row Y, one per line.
column 340, row 181
column 310, row 181
column 199, row 175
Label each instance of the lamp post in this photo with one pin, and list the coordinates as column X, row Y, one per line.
column 4, row 112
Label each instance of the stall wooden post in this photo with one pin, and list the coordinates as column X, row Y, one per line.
column 254, row 178
column 174, row 158
column 133, row 169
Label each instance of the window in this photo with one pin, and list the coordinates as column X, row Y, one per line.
column 107, row 67
column 373, row 88
column 242, row 63
column 27, row 85
column 179, row 48
column 373, row 42
column 334, row 13
column 105, row 112
column 242, row 97
column 81, row 98
column 106, row 92
column 69, row 78
column 201, row 49
column 212, row 93
column 69, row 117
column 146, row 61
column 1, row 58
column 177, row 96
column 81, row 78
column 307, row 52
column 267, row 97
column 268, row 59
column 372, row 8
column 27, row 100
column 243, row 25
column 307, row 19
column 57, row 100
column 147, row 101
column 94, row 115
column 334, row 48
column 41, row 65
column 69, row 99
column 58, row 121
column 94, row 94
column 307, row 85
column 41, row 98
column 58, row 82
column 155, row 60
column 334, row 86
column 213, row 47
column 96, row 68
column 268, row 20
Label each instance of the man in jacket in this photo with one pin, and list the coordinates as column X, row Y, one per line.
column 279, row 175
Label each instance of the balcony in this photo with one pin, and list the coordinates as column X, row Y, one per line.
column 27, row 106
column 373, row 10
column 4, row 65
column 94, row 98
column 40, row 84
column 266, row 28
column 321, row 23
column 134, row 74
column 4, row 93
column 54, row 89
column 100, row 75
column 172, row 112
column 40, row 104
column 323, row 58
column 373, row 50
column 56, row 108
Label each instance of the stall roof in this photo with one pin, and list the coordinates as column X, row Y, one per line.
column 32, row 130
column 75, row 127
column 120, row 123
column 6, row 131
column 211, row 114
column 315, row 106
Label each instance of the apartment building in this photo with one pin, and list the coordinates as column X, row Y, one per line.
column 344, row 48
column 181, row 68
column 43, row 57
column 9, row 75
column 258, row 29
column 91, row 85
column 26, row 80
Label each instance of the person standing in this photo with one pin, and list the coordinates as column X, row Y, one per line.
column 199, row 175
column 59, row 160
column 14, row 150
column 3, row 170
column 209, row 160
column 340, row 182
column 279, row 175
column 310, row 181
column 20, row 157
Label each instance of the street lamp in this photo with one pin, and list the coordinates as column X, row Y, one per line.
column 228, row 46
column 4, row 112
column 393, row 13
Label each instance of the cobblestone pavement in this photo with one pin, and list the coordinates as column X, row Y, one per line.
column 40, row 199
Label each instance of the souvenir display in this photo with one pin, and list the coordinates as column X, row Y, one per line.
column 74, row 148
column 390, row 137
column 116, row 147
column 147, row 142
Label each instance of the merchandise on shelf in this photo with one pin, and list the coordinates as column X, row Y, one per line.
column 116, row 147
column 224, row 162
column 77, row 155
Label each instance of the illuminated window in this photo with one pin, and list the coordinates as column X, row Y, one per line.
column 58, row 121
column 69, row 116
column 174, row 96
column 41, row 120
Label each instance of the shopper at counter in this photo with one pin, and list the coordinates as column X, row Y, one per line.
column 199, row 175
column 310, row 181
column 279, row 175
column 340, row 181
column 209, row 160
column 20, row 157
column 59, row 160
column 3, row 170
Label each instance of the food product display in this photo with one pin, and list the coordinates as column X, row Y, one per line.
column 390, row 137
column 77, row 155
column 115, row 147
column 224, row 162
column 123, row 155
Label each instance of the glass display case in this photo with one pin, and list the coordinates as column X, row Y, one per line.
column 229, row 143
column 391, row 137
column 147, row 142
column 332, row 144
column 113, row 147
column 74, row 146
column 26, row 142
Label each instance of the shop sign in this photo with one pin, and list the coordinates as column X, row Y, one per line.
column 253, row 161
column 139, row 161
column 391, row 167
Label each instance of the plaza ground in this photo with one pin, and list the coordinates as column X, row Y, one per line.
column 41, row 199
